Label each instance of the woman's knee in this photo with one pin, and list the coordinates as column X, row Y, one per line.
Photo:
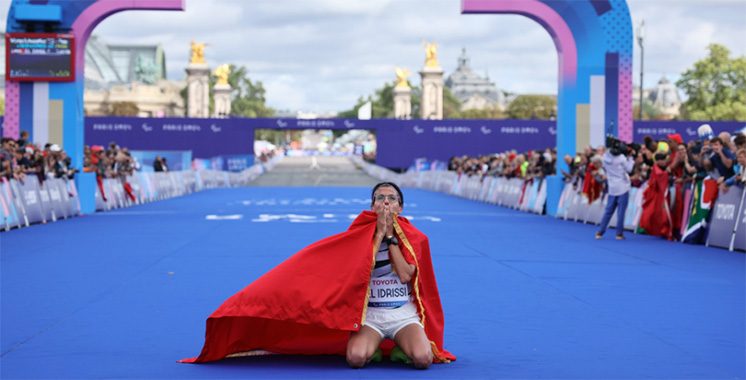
column 422, row 358
column 356, row 357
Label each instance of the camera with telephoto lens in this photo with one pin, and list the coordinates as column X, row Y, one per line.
column 617, row 147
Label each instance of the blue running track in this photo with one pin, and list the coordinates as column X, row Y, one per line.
column 125, row 294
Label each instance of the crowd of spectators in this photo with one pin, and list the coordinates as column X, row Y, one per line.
column 676, row 164
column 112, row 162
column 21, row 158
column 511, row 164
column 713, row 156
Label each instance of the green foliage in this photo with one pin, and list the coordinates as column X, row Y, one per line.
column 451, row 105
column 123, row 109
column 541, row 107
column 2, row 106
column 715, row 87
column 249, row 97
column 488, row 113
column 383, row 103
column 649, row 112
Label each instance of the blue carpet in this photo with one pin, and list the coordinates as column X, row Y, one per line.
column 125, row 294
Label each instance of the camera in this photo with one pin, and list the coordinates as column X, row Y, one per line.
column 617, row 147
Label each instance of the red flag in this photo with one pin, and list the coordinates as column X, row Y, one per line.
column 656, row 218
column 311, row 302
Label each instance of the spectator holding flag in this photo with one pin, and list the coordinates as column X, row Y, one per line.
column 656, row 217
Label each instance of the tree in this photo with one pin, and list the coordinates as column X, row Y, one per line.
column 715, row 87
column 249, row 99
column 123, row 109
column 649, row 112
column 383, row 103
column 532, row 107
column 486, row 113
column 451, row 105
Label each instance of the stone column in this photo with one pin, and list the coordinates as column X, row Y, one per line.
column 198, row 90
column 222, row 95
column 431, row 106
column 402, row 102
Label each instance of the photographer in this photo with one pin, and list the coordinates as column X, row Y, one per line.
column 618, row 162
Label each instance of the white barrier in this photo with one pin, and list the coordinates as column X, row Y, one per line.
column 29, row 202
column 531, row 196
column 515, row 193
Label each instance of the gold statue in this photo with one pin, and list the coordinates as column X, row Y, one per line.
column 198, row 52
column 431, row 55
column 222, row 72
column 401, row 78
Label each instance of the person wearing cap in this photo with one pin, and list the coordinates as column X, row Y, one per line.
column 617, row 168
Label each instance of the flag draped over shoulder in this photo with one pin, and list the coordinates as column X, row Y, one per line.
column 704, row 196
column 656, row 217
column 592, row 188
column 311, row 302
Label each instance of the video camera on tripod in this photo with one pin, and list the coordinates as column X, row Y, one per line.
column 617, row 147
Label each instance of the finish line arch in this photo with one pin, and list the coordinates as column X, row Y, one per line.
column 593, row 40
column 594, row 47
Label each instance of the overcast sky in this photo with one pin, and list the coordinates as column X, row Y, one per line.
column 320, row 55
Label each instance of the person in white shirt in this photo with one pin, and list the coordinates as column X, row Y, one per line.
column 617, row 167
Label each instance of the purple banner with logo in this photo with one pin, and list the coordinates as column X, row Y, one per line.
column 399, row 142
column 204, row 137
column 659, row 130
column 724, row 218
column 740, row 233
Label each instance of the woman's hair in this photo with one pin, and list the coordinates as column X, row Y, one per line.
column 385, row 184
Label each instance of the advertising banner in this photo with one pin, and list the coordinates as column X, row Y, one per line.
column 724, row 218
column 659, row 130
column 29, row 196
column 398, row 142
column 739, row 242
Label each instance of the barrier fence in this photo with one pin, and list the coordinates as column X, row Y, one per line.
column 727, row 226
column 27, row 202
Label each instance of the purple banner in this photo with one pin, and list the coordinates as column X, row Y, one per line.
column 401, row 142
column 204, row 137
column 740, row 232
column 724, row 218
column 659, row 130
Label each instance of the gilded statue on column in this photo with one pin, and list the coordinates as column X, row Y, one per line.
column 198, row 52
column 401, row 78
column 222, row 72
column 431, row 55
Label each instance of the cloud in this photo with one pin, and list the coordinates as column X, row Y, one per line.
column 321, row 55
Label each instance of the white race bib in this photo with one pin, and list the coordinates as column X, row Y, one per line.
column 388, row 292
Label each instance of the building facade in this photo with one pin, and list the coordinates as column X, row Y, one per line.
column 129, row 74
column 473, row 90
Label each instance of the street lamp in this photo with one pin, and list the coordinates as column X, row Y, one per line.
column 640, row 41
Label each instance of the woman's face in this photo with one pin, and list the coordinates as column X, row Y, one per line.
column 384, row 198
